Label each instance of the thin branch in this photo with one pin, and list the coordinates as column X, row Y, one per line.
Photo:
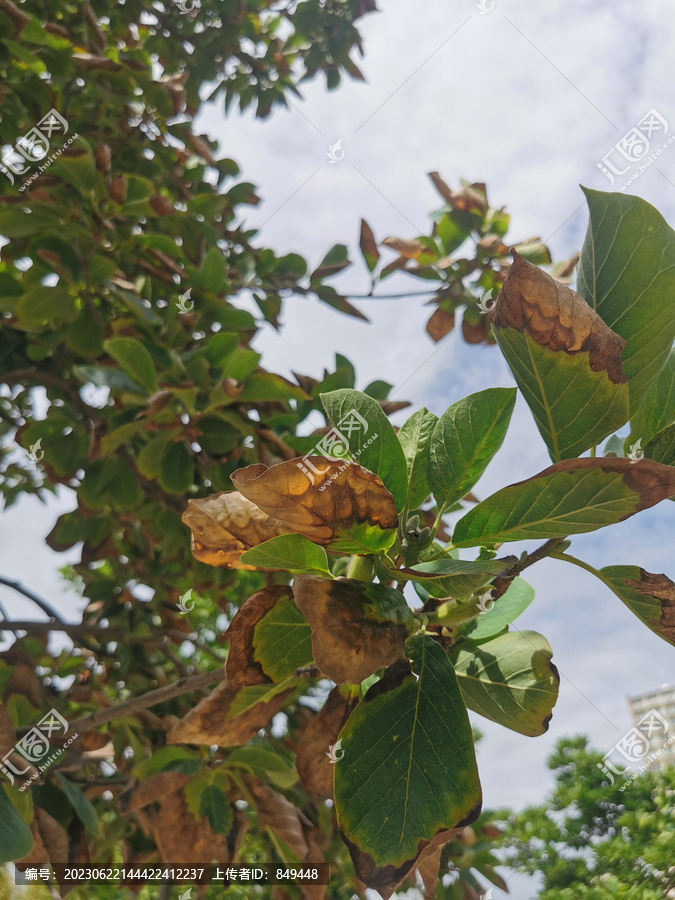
column 38, row 601
column 129, row 707
column 500, row 585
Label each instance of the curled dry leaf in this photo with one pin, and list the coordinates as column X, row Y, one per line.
column 208, row 722
column 312, row 761
column 346, row 506
column 225, row 525
column 357, row 628
column 557, row 317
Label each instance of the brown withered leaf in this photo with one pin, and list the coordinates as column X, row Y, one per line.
column 651, row 597
column 312, row 761
column 471, row 197
column 183, row 839
column 357, row 627
column 356, row 497
column 440, row 324
column 50, row 841
column 241, row 666
column 279, row 815
column 556, row 317
column 407, row 249
column 225, row 525
column 153, row 789
column 368, row 245
column 207, row 723
column 429, row 861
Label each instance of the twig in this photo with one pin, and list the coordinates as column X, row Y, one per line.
column 500, row 585
column 128, row 707
column 38, row 601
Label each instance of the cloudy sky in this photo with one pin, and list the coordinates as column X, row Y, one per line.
column 528, row 98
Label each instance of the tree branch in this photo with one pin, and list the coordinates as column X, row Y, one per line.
column 38, row 601
column 128, row 707
column 500, row 585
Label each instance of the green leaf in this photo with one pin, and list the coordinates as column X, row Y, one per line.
column 177, row 472
column 248, row 697
column 661, row 448
column 570, row 497
column 510, row 680
column 134, row 359
column 503, row 611
column 119, row 436
column 85, row 811
column 333, row 262
column 415, row 439
column 169, row 759
column 288, row 551
column 368, row 246
column 409, row 767
column 454, row 577
column 650, row 597
column 16, row 839
column 216, row 810
column 282, row 641
column 78, row 168
column 266, row 387
column 465, row 439
column 264, row 764
column 149, row 461
column 657, row 410
column 47, row 306
column 369, row 437
column 214, row 271
column 627, row 274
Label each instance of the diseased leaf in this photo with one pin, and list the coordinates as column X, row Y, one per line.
column 657, row 409
column 288, row 551
column 409, row 768
column 415, row 439
column 210, row 721
column 368, row 246
column 357, row 627
column 262, row 651
column 661, row 448
column 312, row 760
column 225, row 525
column 510, row 680
column 570, row 497
column 465, row 439
column 183, row 839
column 281, row 818
column 343, row 507
column 368, row 438
column 564, row 357
column 503, row 611
column 627, row 274
column 50, row 840
column 650, row 597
